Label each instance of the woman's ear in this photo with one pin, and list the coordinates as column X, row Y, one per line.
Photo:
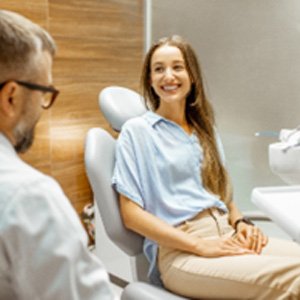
column 7, row 97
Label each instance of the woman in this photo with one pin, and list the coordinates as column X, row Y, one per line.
column 174, row 190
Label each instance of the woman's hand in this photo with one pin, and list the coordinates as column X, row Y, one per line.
column 251, row 237
column 222, row 247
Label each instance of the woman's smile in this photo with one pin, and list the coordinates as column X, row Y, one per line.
column 169, row 76
column 170, row 88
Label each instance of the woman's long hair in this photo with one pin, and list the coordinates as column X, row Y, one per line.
column 199, row 115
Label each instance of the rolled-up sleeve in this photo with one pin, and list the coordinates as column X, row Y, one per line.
column 126, row 176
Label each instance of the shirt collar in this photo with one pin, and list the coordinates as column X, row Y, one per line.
column 6, row 145
column 153, row 117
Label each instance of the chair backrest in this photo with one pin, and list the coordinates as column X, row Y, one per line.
column 119, row 104
column 99, row 162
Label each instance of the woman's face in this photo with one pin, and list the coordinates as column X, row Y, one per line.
column 169, row 77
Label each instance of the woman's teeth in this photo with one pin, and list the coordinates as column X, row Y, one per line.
column 170, row 88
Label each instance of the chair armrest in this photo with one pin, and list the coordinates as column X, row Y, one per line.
column 256, row 215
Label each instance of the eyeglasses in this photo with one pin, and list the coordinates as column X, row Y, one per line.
column 50, row 93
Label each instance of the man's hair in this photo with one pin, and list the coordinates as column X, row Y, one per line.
column 20, row 42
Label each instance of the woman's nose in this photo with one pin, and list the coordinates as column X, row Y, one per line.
column 169, row 72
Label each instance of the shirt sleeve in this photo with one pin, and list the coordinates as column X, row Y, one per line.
column 126, row 177
column 47, row 247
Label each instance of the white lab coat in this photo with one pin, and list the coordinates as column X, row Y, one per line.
column 43, row 246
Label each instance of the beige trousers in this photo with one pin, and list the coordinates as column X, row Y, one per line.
column 275, row 274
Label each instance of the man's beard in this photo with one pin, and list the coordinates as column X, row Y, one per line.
column 24, row 138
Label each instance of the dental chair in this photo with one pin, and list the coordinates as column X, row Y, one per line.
column 119, row 104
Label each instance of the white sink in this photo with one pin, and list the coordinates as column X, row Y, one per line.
column 285, row 162
column 282, row 205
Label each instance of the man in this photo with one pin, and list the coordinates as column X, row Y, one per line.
column 43, row 246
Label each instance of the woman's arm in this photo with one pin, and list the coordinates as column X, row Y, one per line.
column 146, row 224
column 234, row 213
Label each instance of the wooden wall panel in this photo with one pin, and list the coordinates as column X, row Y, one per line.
column 39, row 154
column 100, row 43
column 36, row 10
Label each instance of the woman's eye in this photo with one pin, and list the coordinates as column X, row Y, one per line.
column 178, row 67
column 158, row 69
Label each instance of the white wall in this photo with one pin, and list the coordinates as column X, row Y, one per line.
column 250, row 55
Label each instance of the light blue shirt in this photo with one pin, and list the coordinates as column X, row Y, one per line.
column 158, row 166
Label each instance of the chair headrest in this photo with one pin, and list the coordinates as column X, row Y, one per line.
column 119, row 104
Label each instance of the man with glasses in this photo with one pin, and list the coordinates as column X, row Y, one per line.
column 43, row 246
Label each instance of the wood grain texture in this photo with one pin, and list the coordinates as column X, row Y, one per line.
column 100, row 43
column 36, row 10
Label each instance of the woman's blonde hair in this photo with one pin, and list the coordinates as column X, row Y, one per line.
column 199, row 115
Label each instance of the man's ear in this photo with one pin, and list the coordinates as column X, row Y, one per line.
column 7, row 98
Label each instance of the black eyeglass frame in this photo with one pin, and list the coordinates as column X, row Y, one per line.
column 37, row 87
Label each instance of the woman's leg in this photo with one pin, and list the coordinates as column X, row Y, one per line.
column 281, row 247
column 273, row 275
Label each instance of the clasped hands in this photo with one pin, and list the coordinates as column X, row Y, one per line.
column 250, row 237
column 247, row 239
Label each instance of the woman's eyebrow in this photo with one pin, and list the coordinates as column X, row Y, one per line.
column 161, row 62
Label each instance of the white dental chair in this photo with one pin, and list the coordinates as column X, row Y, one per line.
column 99, row 162
column 119, row 104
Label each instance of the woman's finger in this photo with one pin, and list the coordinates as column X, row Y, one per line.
column 234, row 243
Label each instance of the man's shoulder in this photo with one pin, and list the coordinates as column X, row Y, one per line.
column 18, row 169
column 25, row 190
column 16, row 176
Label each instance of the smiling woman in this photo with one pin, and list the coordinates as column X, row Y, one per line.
column 175, row 191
